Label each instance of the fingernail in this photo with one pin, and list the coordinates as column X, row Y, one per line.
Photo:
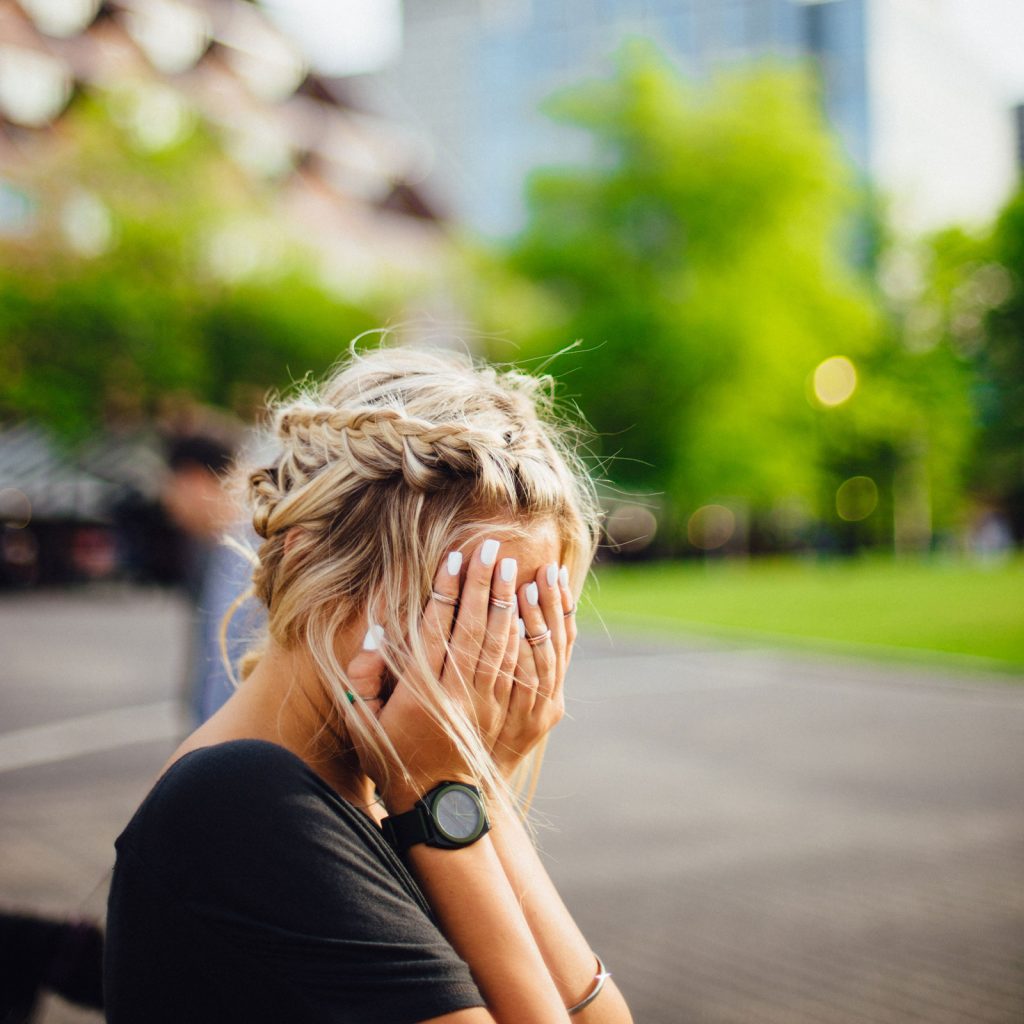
column 373, row 637
column 532, row 593
column 563, row 576
column 522, row 629
column 454, row 563
column 508, row 569
column 552, row 573
column 489, row 552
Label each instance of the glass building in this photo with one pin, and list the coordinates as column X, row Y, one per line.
column 474, row 73
column 904, row 89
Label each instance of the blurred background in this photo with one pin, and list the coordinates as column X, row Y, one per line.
column 773, row 251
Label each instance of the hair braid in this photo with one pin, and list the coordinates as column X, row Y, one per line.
column 374, row 444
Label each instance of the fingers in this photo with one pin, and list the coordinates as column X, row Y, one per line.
column 503, row 685
column 542, row 664
column 540, row 638
column 440, row 611
column 550, row 599
column 471, row 620
column 524, row 692
column 366, row 676
column 568, row 607
column 501, row 617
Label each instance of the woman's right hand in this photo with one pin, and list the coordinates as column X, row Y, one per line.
column 472, row 650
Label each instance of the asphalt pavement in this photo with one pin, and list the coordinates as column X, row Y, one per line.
column 744, row 835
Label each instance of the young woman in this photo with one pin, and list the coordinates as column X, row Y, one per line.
column 340, row 841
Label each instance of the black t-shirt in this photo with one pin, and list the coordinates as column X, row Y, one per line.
column 246, row 889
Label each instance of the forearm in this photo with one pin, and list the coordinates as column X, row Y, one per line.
column 480, row 914
column 566, row 953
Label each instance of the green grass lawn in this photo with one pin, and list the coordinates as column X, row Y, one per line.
column 873, row 606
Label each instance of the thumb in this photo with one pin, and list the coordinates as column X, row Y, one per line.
column 366, row 670
column 366, row 676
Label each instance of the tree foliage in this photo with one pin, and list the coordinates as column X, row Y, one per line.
column 147, row 311
column 710, row 254
column 699, row 257
column 995, row 292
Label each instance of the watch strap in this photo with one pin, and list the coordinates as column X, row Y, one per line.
column 409, row 828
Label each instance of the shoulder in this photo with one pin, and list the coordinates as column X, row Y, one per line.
column 235, row 766
column 239, row 776
column 239, row 806
column 247, row 859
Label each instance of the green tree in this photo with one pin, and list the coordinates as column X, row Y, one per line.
column 997, row 288
column 947, row 405
column 915, row 424
column 102, row 317
column 700, row 258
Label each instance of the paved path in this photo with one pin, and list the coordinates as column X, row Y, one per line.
column 745, row 836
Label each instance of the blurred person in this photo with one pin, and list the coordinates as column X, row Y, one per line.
column 19, row 556
column 65, row 956
column 215, row 575
column 341, row 841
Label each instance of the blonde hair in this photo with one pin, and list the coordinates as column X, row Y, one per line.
column 399, row 457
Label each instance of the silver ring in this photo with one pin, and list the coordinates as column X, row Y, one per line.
column 571, row 611
column 444, row 599
column 497, row 602
column 353, row 697
column 540, row 638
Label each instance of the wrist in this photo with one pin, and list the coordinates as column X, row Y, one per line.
column 404, row 793
column 451, row 816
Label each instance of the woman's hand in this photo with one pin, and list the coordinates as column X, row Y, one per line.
column 471, row 646
column 537, row 702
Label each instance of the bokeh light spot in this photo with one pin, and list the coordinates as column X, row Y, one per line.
column 835, row 380
column 631, row 528
column 172, row 35
column 15, row 508
column 711, row 526
column 61, row 18
column 87, row 224
column 34, row 87
column 856, row 498
column 155, row 116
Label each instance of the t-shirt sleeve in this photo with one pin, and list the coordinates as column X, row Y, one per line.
column 291, row 891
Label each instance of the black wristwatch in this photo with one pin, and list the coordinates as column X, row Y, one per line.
column 449, row 816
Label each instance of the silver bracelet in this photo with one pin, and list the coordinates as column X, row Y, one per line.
column 601, row 977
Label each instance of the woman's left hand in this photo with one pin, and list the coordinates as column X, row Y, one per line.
column 470, row 640
column 537, row 703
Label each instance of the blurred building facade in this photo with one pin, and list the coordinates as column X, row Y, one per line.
column 338, row 179
column 913, row 100
column 322, row 176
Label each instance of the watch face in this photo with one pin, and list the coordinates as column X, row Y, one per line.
column 458, row 814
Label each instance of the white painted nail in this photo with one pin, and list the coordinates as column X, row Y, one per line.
column 373, row 637
column 552, row 574
column 489, row 552
column 454, row 563
column 563, row 576
column 532, row 593
column 508, row 569
column 522, row 629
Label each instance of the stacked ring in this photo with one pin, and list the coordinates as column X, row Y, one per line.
column 540, row 638
column 444, row 599
column 499, row 603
